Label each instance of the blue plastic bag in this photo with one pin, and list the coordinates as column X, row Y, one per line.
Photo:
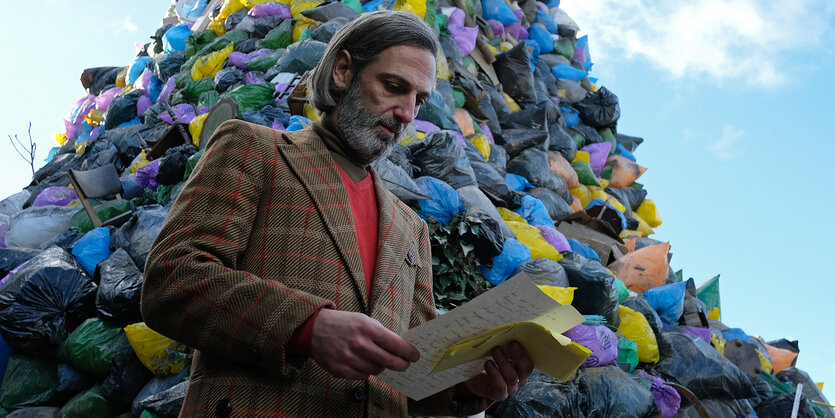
column 668, row 301
column 735, row 334
column 5, row 353
column 174, row 39
column 581, row 53
column 542, row 38
column 298, row 123
column 598, row 202
column 445, row 202
column 552, row 3
column 374, row 5
column 92, row 249
column 568, row 72
column 154, row 88
column 571, row 116
column 583, row 249
column 535, row 212
column 137, row 68
column 623, row 152
column 517, row 182
column 548, row 23
column 498, row 10
column 513, row 254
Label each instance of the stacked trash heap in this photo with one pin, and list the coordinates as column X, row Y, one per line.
column 515, row 162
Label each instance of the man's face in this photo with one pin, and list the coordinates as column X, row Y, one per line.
column 384, row 98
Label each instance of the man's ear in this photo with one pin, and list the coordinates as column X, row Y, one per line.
column 343, row 70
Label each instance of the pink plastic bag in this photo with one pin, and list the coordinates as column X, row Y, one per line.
column 598, row 153
column 600, row 340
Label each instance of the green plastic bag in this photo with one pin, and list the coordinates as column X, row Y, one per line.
column 430, row 17
column 564, row 47
column 584, row 173
column 104, row 210
column 146, row 414
column 264, row 62
column 208, row 99
column 252, row 96
column 623, row 292
column 443, row 24
column 607, row 136
column 193, row 90
column 628, row 352
column 28, row 382
column 459, row 97
column 191, row 163
column 197, row 41
column 93, row 344
column 708, row 293
column 356, row 5
column 88, row 404
column 579, row 140
column 280, row 36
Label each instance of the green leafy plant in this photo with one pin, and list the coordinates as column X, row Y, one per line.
column 456, row 279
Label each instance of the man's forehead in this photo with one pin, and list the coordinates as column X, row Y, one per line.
column 413, row 64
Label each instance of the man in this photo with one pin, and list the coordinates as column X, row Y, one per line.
column 292, row 270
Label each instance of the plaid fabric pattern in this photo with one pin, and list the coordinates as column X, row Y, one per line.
column 261, row 237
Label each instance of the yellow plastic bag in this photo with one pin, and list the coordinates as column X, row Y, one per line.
column 410, row 135
column 140, row 161
column 531, row 237
column 483, row 144
column 643, row 227
column 61, row 138
column 714, row 313
column 298, row 6
column 603, row 182
column 563, row 295
column 195, row 127
column 506, row 46
column 443, row 66
column 606, row 197
column 514, row 107
column 209, row 65
column 510, row 216
column 583, row 193
column 718, row 342
column 643, row 269
column 299, row 28
column 160, row 354
column 417, row 7
column 122, row 78
column 94, row 117
column 311, row 113
column 228, row 7
column 582, row 156
column 634, row 325
column 765, row 364
column 649, row 212
column 217, row 27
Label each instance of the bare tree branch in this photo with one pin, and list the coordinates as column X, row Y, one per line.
column 22, row 150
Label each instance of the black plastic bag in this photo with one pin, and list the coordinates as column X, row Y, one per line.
column 258, row 27
column 497, row 99
column 167, row 403
column 485, row 105
column 544, row 271
column 558, row 185
column 168, row 65
column 696, row 365
column 785, row 344
column 138, row 233
column 629, row 142
column 692, row 304
column 154, row 386
column 435, row 110
column 537, row 117
column 560, row 141
column 327, row 11
column 122, row 109
column 301, row 56
column 266, row 116
column 630, row 197
column 451, row 49
column 543, row 71
column 558, row 208
column 513, row 69
column 28, row 381
column 498, row 159
column 127, row 377
column 590, row 134
column 35, row 412
column 531, row 164
column 596, row 292
column 401, row 157
column 88, row 404
column 245, row 47
column 780, row 406
column 810, row 389
column 324, row 33
column 717, row 408
column 542, row 396
column 441, row 155
column 518, row 140
column 444, row 88
column 13, row 257
column 489, row 241
column 94, row 80
column 228, row 77
column 599, row 109
column 53, row 170
column 611, row 392
column 120, row 288
column 172, row 166
column 494, row 186
column 72, row 381
column 234, row 19
column 398, row 181
column 44, row 301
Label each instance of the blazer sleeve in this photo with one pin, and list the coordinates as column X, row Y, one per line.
column 447, row 402
column 194, row 291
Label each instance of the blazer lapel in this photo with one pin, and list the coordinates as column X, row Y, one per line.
column 396, row 242
column 312, row 163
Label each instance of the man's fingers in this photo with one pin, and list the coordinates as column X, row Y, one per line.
column 511, row 378
column 522, row 361
column 395, row 344
column 497, row 387
column 382, row 358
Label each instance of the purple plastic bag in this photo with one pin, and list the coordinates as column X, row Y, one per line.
column 513, row 29
column 424, row 126
column 145, row 175
column 464, row 37
column 103, row 100
column 237, row 58
column 167, row 89
column 487, row 133
column 55, row 195
column 523, row 34
column 555, row 238
column 81, row 108
column 183, row 111
column 253, row 78
column 143, row 104
column 13, row 271
column 278, row 126
column 456, row 17
column 69, row 129
column 600, row 340
column 667, row 398
column 598, row 153
column 271, row 9
column 703, row 333
column 143, row 81
column 94, row 134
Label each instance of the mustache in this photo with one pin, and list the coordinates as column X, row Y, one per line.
column 391, row 124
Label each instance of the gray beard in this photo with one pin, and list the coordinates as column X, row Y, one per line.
column 358, row 124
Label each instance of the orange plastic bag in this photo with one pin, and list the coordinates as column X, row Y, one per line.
column 630, row 244
column 624, row 171
column 561, row 167
column 781, row 358
column 643, row 269
column 464, row 121
column 575, row 205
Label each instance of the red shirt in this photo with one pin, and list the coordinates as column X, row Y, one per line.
column 363, row 200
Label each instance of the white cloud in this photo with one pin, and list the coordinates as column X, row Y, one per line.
column 129, row 26
column 728, row 147
column 738, row 40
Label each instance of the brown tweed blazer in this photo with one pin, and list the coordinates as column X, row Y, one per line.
column 260, row 237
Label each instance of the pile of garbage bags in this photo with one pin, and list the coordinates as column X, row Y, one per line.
column 515, row 162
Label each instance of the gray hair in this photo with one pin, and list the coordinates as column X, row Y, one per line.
column 365, row 38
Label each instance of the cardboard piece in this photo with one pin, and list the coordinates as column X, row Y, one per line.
column 601, row 243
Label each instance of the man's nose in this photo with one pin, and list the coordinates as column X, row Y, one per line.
column 406, row 110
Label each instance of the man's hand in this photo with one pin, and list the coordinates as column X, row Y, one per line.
column 504, row 375
column 353, row 346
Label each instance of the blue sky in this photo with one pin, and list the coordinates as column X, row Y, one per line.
column 733, row 98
